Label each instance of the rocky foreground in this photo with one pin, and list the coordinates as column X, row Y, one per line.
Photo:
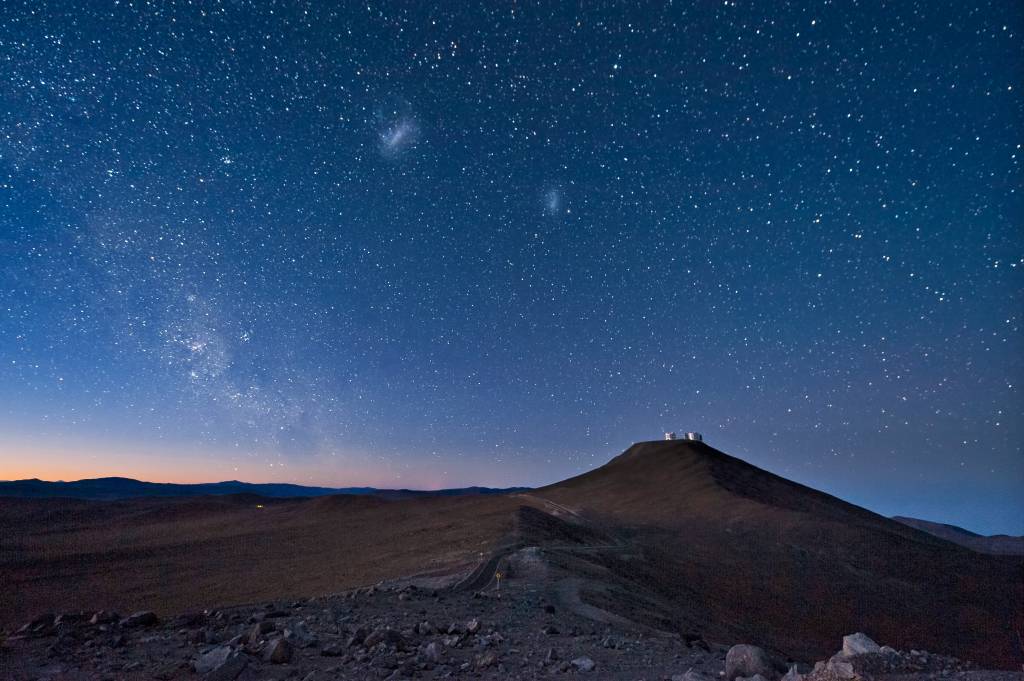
column 410, row 632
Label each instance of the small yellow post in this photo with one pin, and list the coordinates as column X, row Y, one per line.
column 498, row 575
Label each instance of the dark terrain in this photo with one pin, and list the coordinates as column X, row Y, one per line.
column 674, row 550
column 997, row 543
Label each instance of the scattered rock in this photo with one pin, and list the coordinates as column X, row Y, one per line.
column 68, row 619
column 40, row 626
column 332, row 650
column 691, row 675
column 104, row 617
column 746, row 660
column 259, row 632
column 278, row 651
column 584, row 664
column 230, row 670
column 841, row 670
column 211, row 659
column 387, row 636
column 146, row 618
column 432, row 652
column 793, row 675
column 299, row 634
column 859, row 644
column 406, row 669
column 472, row 626
column 358, row 636
column 486, row 659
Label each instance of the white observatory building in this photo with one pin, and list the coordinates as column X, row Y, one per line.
column 691, row 436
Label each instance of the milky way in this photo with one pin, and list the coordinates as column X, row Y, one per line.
column 440, row 246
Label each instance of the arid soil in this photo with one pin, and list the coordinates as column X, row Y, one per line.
column 173, row 555
column 400, row 631
column 649, row 566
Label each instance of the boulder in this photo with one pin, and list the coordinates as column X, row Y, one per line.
column 746, row 660
column 146, row 618
column 104, row 617
column 259, row 632
column 859, row 644
column 584, row 664
column 212, row 659
column 841, row 670
column 278, row 651
column 793, row 675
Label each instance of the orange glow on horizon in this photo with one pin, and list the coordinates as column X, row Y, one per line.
column 51, row 461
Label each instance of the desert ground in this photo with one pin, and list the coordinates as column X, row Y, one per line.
column 651, row 566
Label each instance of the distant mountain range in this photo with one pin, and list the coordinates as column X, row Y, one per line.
column 998, row 543
column 127, row 488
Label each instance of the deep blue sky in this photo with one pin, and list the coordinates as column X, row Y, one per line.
column 353, row 243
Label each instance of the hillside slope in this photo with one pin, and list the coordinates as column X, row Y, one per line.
column 744, row 552
column 1001, row 544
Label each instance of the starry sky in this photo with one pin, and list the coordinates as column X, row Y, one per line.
column 402, row 245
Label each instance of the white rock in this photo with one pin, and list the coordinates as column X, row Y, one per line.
column 793, row 675
column 841, row 670
column 584, row 664
column 747, row 661
column 859, row 644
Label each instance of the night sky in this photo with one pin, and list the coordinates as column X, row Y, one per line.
column 342, row 243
